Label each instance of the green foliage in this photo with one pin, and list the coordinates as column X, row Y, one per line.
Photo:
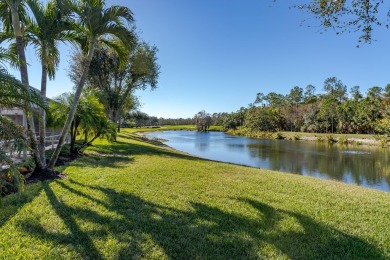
column 330, row 139
column 115, row 78
column 349, row 16
column 139, row 119
column 92, row 23
column 202, row 121
column 232, row 120
column 28, row 164
column 383, row 126
column 13, row 136
column 297, row 137
column 14, row 94
column 10, row 179
column 264, row 119
column 46, row 29
column 343, row 139
column 278, row 136
column 331, row 112
column 90, row 118
column 383, row 140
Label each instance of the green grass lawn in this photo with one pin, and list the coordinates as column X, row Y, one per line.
column 132, row 200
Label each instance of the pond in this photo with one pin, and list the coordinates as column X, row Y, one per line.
column 367, row 166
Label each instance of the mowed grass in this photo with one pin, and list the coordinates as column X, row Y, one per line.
column 134, row 200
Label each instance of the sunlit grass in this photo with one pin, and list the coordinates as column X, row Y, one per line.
column 131, row 199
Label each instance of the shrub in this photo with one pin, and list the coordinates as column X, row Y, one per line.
column 331, row 139
column 343, row 139
column 278, row 136
column 297, row 137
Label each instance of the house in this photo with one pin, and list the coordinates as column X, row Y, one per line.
column 18, row 116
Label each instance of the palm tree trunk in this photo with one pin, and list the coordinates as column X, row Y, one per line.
column 73, row 108
column 24, row 77
column 42, row 122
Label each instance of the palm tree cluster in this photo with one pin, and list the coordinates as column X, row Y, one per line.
column 86, row 24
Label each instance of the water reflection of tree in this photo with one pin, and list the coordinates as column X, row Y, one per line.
column 202, row 142
column 331, row 161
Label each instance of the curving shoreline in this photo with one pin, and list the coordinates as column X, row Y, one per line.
column 345, row 139
column 319, row 137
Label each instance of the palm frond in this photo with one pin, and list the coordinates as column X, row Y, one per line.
column 14, row 94
column 126, row 36
column 11, row 131
column 5, row 14
column 121, row 50
column 118, row 13
column 8, row 56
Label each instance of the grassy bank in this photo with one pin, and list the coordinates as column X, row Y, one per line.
column 131, row 199
column 178, row 127
column 358, row 139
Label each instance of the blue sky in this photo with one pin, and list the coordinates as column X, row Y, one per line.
column 215, row 55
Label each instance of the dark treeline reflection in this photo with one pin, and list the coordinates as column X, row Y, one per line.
column 362, row 165
column 352, row 164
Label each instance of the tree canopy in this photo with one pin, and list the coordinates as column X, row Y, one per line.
column 362, row 16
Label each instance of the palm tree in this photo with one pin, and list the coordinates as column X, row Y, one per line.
column 12, row 14
column 94, row 23
column 45, row 32
column 13, row 94
column 90, row 118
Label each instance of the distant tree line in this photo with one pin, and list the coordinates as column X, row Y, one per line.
column 136, row 118
column 302, row 110
column 336, row 110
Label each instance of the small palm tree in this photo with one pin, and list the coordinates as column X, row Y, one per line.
column 94, row 23
column 90, row 118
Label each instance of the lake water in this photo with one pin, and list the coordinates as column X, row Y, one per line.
column 362, row 165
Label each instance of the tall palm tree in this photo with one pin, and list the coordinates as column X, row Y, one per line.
column 94, row 23
column 13, row 94
column 45, row 30
column 12, row 14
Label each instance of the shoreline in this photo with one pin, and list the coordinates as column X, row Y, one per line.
column 343, row 139
column 368, row 145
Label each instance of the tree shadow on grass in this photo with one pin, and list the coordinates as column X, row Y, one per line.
column 10, row 204
column 316, row 240
column 143, row 139
column 119, row 154
column 79, row 239
column 202, row 232
column 103, row 160
column 124, row 148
